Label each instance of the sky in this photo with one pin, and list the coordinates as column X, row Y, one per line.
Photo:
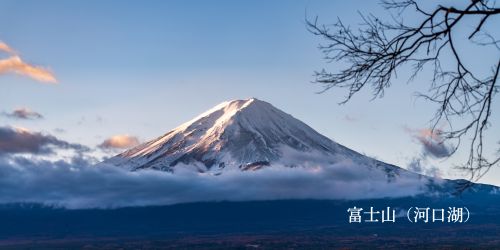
column 111, row 74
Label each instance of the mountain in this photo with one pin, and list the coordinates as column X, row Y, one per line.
column 241, row 134
column 249, row 135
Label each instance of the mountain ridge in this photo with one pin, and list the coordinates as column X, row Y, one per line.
column 244, row 134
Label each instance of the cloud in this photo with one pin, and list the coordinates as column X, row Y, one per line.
column 421, row 166
column 433, row 144
column 15, row 64
column 349, row 118
column 23, row 113
column 4, row 47
column 60, row 130
column 119, row 142
column 74, row 183
column 23, row 141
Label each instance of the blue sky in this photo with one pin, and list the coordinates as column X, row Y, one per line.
column 142, row 68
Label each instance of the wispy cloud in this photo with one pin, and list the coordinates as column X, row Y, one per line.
column 421, row 166
column 433, row 144
column 60, row 130
column 23, row 141
column 349, row 118
column 4, row 47
column 23, row 113
column 119, row 142
column 15, row 64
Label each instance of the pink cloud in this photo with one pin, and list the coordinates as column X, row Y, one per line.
column 15, row 64
column 4, row 47
column 119, row 142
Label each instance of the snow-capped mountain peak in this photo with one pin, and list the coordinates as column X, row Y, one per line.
column 239, row 134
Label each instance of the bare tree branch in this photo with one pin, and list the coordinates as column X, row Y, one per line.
column 378, row 49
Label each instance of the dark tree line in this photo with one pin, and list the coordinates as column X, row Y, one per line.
column 377, row 49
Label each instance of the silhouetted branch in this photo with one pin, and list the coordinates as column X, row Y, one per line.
column 378, row 49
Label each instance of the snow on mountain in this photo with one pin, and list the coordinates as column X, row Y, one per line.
column 241, row 134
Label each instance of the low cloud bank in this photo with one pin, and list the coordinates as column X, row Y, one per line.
column 74, row 183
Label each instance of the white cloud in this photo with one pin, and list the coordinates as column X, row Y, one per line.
column 76, row 184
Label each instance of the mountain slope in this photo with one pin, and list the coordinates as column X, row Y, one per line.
column 245, row 134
